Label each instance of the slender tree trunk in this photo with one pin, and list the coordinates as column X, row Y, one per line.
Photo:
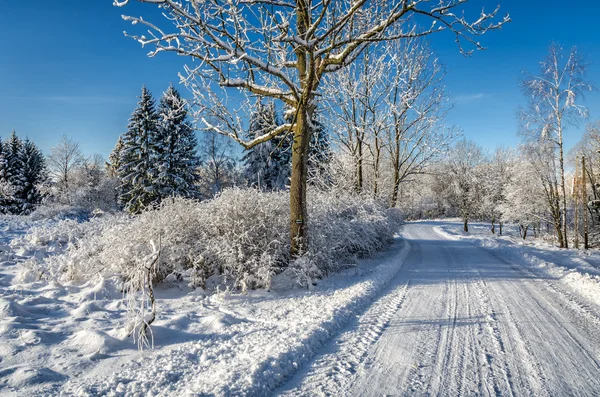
column 576, row 197
column 585, row 206
column 359, row 166
column 562, row 184
column 466, row 225
column 500, row 232
column 298, row 213
column 493, row 226
column 376, row 163
column 396, row 164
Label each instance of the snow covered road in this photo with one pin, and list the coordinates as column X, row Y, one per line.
column 460, row 320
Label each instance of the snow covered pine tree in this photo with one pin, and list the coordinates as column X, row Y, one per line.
column 138, row 171
column 267, row 165
column 176, row 156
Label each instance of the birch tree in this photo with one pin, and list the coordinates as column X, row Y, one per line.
column 554, row 103
column 282, row 49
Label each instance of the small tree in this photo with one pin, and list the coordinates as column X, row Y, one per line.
column 495, row 177
column 114, row 158
column 218, row 169
column 525, row 201
column 15, row 172
column 64, row 160
column 463, row 163
column 34, row 174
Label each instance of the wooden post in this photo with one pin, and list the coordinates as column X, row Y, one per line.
column 585, row 206
column 576, row 197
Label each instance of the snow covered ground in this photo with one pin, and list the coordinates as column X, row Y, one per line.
column 69, row 339
column 439, row 312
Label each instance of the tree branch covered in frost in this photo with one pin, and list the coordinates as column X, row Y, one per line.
column 266, row 48
column 392, row 102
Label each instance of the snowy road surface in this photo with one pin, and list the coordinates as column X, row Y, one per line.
column 459, row 320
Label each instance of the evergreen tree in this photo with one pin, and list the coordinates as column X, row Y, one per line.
column 267, row 165
column 6, row 191
column 137, row 168
column 34, row 173
column 15, row 172
column 114, row 158
column 177, row 159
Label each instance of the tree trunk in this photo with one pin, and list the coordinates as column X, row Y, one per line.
column 376, row 162
column 298, row 218
column 466, row 225
column 500, row 232
column 359, row 167
column 493, row 226
column 562, row 185
column 396, row 165
column 585, row 206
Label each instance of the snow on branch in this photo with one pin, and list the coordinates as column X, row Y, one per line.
column 282, row 49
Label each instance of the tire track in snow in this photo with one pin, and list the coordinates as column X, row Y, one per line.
column 326, row 376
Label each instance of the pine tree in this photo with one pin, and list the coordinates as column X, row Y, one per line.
column 34, row 173
column 14, row 172
column 137, row 170
column 114, row 158
column 267, row 165
column 177, row 159
column 6, row 191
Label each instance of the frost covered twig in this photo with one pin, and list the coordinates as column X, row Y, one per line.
column 141, row 303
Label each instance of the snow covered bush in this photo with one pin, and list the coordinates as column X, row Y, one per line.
column 240, row 238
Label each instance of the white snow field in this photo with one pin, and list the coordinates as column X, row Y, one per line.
column 438, row 313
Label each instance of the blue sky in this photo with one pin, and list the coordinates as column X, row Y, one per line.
column 66, row 68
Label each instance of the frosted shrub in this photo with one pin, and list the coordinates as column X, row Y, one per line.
column 343, row 227
column 241, row 236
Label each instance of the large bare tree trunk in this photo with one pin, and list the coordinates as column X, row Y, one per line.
column 298, row 221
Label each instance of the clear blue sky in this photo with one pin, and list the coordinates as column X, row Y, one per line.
column 66, row 68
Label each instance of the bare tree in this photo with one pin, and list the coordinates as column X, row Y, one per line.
column 554, row 97
column 391, row 103
column 355, row 99
column 282, row 49
column 65, row 158
column 542, row 159
column 217, row 170
column 417, row 105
